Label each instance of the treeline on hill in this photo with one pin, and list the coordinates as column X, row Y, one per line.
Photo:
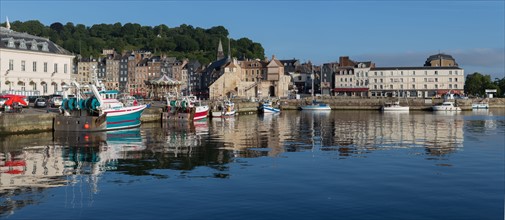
column 184, row 41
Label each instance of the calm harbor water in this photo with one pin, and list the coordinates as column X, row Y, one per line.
column 294, row 165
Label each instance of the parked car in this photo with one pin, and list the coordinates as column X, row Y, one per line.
column 2, row 100
column 40, row 103
column 55, row 101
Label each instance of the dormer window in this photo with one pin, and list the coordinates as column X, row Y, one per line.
column 45, row 47
column 22, row 44
column 10, row 43
column 34, row 45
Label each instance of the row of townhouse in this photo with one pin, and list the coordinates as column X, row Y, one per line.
column 131, row 72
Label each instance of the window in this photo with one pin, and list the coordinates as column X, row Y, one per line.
column 23, row 65
column 55, row 68
column 382, row 81
column 376, row 73
column 375, row 80
column 455, row 86
column 401, row 86
column 45, row 67
column 65, row 68
column 436, row 86
column 391, row 86
column 455, row 79
column 11, row 64
column 34, row 66
column 413, row 86
column 456, row 72
column 436, row 79
column 425, row 72
column 436, row 72
column 450, row 72
column 375, row 86
column 391, row 79
column 414, row 73
column 413, row 79
column 425, row 79
column 450, row 86
column 425, row 86
column 401, row 79
column 450, row 79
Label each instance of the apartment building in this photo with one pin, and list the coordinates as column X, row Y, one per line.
column 440, row 74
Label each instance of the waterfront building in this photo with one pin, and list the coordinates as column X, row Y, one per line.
column 439, row 75
column 351, row 77
column 32, row 65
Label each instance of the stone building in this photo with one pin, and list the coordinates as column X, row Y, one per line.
column 32, row 65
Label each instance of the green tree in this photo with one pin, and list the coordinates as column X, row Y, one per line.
column 476, row 84
column 500, row 84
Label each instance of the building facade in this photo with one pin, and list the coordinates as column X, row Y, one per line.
column 32, row 65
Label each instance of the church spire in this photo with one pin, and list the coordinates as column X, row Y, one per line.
column 7, row 24
column 220, row 53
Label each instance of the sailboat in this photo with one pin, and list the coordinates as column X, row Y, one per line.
column 315, row 105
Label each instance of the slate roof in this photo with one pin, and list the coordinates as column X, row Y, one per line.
column 30, row 42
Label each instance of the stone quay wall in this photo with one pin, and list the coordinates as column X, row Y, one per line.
column 24, row 123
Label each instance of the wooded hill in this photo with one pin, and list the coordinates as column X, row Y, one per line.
column 184, row 41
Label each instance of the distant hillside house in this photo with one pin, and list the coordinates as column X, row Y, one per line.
column 32, row 65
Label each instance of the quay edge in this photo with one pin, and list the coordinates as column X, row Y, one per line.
column 25, row 123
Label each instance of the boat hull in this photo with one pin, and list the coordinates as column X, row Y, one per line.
column 201, row 112
column 127, row 117
column 445, row 108
column 218, row 114
column 396, row 109
column 109, row 120
column 480, row 106
column 269, row 110
column 320, row 107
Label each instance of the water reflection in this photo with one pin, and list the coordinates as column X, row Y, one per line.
column 29, row 164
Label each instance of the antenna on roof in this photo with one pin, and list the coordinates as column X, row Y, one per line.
column 7, row 24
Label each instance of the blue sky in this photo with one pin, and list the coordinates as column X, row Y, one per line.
column 388, row 33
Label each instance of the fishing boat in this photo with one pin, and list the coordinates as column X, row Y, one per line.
column 315, row 105
column 225, row 108
column 185, row 109
column 394, row 107
column 266, row 106
column 97, row 110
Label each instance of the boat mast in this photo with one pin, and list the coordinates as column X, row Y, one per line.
column 312, row 77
